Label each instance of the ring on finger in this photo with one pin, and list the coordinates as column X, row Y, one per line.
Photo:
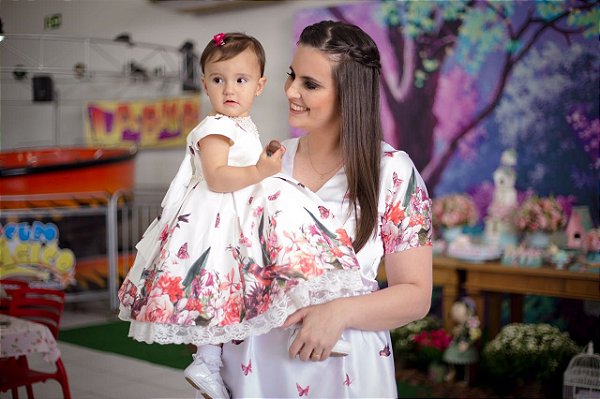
column 315, row 356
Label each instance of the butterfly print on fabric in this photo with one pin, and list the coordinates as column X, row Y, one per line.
column 183, row 252
column 385, row 352
column 302, row 391
column 183, row 218
column 274, row 196
column 396, row 180
column 250, row 200
column 347, row 381
column 247, row 369
column 324, row 212
column 218, row 221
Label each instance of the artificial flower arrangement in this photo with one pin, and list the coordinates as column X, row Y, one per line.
column 431, row 345
column 543, row 214
column 523, row 353
column 454, row 210
column 593, row 240
column 404, row 342
column 592, row 246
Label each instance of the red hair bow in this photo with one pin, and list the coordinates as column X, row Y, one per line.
column 219, row 39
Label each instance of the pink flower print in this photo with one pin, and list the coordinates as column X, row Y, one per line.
column 394, row 213
column 258, row 211
column 170, row 286
column 164, row 234
column 194, row 305
column 232, row 310
column 228, row 285
column 218, row 220
column 127, row 293
column 385, row 352
column 245, row 241
column 159, row 309
column 344, row 237
column 302, row 391
column 307, row 264
column 388, row 154
column 183, row 252
column 416, row 220
column 347, row 381
column 208, row 278
column 247, row 369
column 324, row 212
column 273, row 197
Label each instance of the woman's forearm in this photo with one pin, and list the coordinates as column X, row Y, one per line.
column 388, row 308
column 407, row 297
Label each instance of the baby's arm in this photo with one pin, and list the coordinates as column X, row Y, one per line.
column 220, row 177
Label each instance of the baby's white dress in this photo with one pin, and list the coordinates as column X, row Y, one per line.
column 216, row 267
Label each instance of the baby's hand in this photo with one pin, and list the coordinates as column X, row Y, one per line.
column 269, row 162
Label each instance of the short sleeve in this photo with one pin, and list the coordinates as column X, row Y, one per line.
column 219, row 124
column 406, row 220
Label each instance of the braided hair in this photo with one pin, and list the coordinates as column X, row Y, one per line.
column 357, row 77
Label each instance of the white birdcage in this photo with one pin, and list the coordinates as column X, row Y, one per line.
column 582, row 376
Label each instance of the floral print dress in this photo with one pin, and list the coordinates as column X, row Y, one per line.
column 259, row 367
column 216, row 267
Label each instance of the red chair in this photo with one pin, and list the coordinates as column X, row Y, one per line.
column 43, row 306
column 7, row 287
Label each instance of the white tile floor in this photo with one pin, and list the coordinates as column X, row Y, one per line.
column 100, row 375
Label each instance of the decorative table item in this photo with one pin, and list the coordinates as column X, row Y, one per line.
column 462, row 351
column 593, row 247
column 538, row 239
column 582, row 376
column 540, row 215
column 499, row 225
column 451, row 213
column 462, row 248
column 522, row 256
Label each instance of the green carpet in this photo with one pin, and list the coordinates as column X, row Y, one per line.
column 112, row 337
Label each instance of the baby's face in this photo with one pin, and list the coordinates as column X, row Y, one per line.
column 233, row 84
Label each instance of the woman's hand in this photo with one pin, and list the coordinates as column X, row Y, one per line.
column 269, row 162
column 320, row 327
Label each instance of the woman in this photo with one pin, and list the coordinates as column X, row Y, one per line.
column 333, row 94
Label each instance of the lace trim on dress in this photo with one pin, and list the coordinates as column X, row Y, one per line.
column 245, row 122
column 331, row 285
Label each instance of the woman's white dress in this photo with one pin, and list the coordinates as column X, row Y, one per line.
column 216, row 267
column 259, row 367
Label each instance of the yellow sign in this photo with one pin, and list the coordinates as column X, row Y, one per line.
column 31, row 250
column 145, row 123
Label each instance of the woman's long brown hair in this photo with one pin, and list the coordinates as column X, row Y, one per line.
column 357, row 77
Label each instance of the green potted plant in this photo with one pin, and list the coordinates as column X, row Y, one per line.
column 528, row 355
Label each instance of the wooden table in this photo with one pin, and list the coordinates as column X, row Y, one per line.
column 495, row 279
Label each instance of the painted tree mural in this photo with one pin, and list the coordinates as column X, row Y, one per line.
column 447, row 67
